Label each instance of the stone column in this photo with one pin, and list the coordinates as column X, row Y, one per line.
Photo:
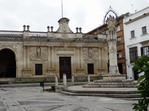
column 80, row 67
column 49, row 66
column 102, row 56
column 113, row 67
column 100, row 59
column 80, row 60
column 28, row 60
column 25, row 57
column 49, row 56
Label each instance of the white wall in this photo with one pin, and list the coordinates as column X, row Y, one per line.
column 132, row 42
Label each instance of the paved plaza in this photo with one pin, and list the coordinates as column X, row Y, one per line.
column 34, row 99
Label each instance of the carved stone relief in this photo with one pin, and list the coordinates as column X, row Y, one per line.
column 111, row 22
column 90, row 53
column 38, row 53
column 112, row 49
column 85, row 53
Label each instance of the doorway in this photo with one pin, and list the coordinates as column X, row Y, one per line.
column 7, row 64
column 38, row 69
column 120, row 68
column 65, row 67
column 90, row 68
column 136, row 75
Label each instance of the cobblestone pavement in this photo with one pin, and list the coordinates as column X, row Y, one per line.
column 34, row 99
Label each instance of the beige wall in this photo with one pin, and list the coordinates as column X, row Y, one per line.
column 28, row 54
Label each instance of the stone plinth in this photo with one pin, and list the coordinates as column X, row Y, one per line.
column 114, row 77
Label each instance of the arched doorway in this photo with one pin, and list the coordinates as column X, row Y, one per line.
column 7, row 64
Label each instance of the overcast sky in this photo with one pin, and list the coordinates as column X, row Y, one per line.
column 87, row 14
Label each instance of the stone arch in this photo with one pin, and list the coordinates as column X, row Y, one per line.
column 8, row 63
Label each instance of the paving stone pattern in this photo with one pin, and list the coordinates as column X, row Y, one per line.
column 34, row 99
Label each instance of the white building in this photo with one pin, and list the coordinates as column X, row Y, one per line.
column 136, row 33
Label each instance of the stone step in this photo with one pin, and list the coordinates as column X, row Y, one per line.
column 113, row 95
column 109, row 86
column 102, row 92
column 129, row 83
column 112, row 84
column 115, row 81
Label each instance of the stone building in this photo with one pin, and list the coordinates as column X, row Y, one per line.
column 30, row 54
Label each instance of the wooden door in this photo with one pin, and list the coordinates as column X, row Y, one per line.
column 38, row 69
column 65, row 67
column 90, row 68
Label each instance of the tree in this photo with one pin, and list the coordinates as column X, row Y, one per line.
column 141, row 65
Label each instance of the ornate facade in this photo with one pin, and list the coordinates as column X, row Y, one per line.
column 28, row 54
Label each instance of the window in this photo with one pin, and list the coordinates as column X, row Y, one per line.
column 132, row 34
column 145, row 51
column 119, row 54
column 133, row 54
column 90, row 68
column 38, row 69
column 118, row 40
column 144, row 31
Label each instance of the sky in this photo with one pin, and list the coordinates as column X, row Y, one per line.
column 39, row 14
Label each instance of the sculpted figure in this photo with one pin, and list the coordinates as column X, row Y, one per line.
column 38, row 52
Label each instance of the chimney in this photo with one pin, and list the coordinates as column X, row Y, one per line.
column 52, row 28
column 77, row 29
column 48, row 28
column 26, row 32
column 24, row 27
column 80, row 30
column 28, row 27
